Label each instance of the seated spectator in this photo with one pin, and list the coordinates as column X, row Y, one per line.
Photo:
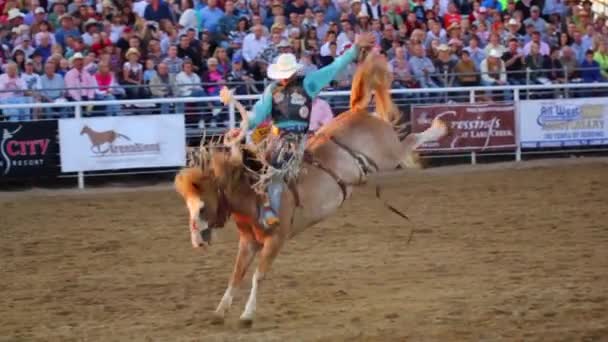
column 108, row 88
column 475, row 52
column 44, row 46
column 590, row 69
column 132, row 72
column 570, row 64
column 52, row 90
column 149, row 71
column 213, row 78
column 467, row 74
column 162, row 85
column 80, row 84
column 543, row 47
column 422, row 67
column 601, row 57
column 240, row 78
column 444, row 67
column 402, row 74
column 536, row 20
column 535, row 63
column 173, row 62
column 493, row 71
column 12, row 91
column 188, row 84
column 555, row 69
column 515, row 63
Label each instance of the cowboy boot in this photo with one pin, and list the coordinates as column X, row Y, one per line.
column 271, row 205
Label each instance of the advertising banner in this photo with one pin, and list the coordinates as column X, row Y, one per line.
column 28, row 149
column 474, row 127
column 122, row 142
column 563, row 122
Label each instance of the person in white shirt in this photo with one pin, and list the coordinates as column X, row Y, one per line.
column 187, row 84
column 254, row 43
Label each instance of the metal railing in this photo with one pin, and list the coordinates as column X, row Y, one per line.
column 339, row 100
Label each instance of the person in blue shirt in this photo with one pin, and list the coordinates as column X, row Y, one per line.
column 590, row 69
column 288, row 102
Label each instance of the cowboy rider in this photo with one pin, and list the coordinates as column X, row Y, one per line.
column 288, row 101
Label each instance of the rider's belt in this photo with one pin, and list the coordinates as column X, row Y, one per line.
column 276, row 131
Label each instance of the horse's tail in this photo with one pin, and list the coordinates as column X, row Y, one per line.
column 118, row 135
column 373, row 75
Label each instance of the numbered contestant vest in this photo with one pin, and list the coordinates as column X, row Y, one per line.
column 291, row 103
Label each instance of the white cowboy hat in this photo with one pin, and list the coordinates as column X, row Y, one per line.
column 285, row 66
column 14, row 14
column 76, row 56
column 495, row 53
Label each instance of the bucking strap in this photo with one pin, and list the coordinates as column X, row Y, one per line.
column 309, row 158
column 366, row 164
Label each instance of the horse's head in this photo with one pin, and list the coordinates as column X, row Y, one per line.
column 84, row 130
column 206, row 202
column 204, row 188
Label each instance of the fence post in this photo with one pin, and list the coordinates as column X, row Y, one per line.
column 527, row 83
column 566, row 92
column 472, row 96
column 516, row 103
column 473, row 158
column 231, row 115
column 78, row 115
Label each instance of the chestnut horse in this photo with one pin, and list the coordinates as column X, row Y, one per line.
column 340, row 156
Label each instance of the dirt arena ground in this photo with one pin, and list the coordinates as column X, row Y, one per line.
column 515, row 253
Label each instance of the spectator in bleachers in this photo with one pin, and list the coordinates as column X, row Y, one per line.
column 601, row 57
column 52, row 90
column 12, row 91
column 67, row 29
column 422, row 67
column 210, row 16
column 156, row 10
column 536, row 20
column 570, row 64
column 132, row 73
column 173, row 62
column 444, row 66
column 515, row 63
column 580, row 46
column 493, row 72
column 188, row 84
column 162, row 85
column 475, row 52
column 466, row 71
column 543, row 48
column 535, row 62
column 553, row 65
column 107, row 87
column 80, row 84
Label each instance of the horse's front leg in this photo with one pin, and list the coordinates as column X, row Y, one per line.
column 248, row 247
column 272, row 245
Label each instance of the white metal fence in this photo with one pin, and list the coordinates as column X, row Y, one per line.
column 339, row 102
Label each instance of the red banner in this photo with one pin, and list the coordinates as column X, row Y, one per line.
column 474, row 127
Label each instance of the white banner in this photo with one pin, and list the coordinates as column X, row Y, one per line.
column 122, row 142
column 563, row 122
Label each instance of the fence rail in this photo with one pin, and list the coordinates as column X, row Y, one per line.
column 404, row 98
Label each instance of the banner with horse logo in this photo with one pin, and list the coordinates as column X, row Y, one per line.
column 559, row 123
column 28, row 149
column 474, row 127
column 123, row 142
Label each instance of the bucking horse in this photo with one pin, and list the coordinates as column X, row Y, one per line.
column 339, row 157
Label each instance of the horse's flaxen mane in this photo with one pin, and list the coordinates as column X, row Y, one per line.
column 373, row 75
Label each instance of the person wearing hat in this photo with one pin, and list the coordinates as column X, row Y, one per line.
column 91, row 27
column 535, row 19
column 67, row 29
column 239, row 76
column 288, row 102
column 493, row 71
column 15, row 17
column 80, row 84
column 132, row 72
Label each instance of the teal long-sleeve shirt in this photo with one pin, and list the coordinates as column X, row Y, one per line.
column 313, row 83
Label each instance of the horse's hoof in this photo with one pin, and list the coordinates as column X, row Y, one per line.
column 217, row 319
column 245, row 323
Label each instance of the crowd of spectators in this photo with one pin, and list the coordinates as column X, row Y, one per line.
column 53, row 50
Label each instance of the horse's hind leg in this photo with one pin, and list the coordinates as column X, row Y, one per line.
column 271, row 248
column 248, row 247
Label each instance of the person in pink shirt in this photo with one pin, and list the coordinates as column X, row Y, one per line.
column 80, row 84
column 320, row 114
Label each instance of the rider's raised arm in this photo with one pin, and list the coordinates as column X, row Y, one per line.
column 317, row 80
column 262, row 108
